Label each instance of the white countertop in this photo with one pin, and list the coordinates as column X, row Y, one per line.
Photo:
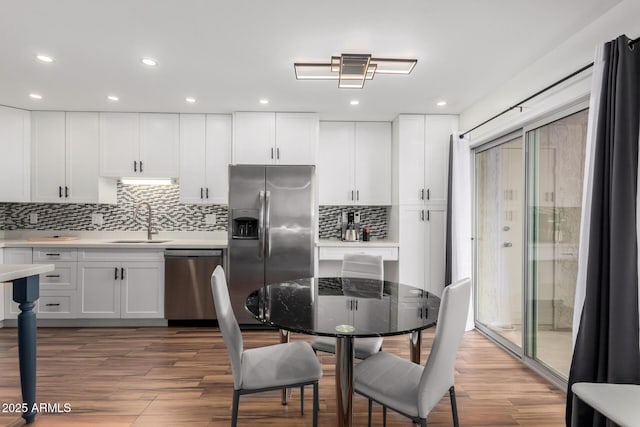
column 109, row 244
column 9, row 272
column 358, row 244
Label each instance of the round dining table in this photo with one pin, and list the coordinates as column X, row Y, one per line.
column 346, row 308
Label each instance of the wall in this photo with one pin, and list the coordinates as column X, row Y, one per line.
column 570, row 55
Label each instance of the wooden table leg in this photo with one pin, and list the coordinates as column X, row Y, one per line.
column 26, row 292
column 284, row 338
column 415, row 344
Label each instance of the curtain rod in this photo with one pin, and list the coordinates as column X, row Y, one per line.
column 551, row 86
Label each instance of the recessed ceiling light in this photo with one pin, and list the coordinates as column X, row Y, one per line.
column 44, row 58
column 35, row 96
column 264, row 101
column 190, row 100
column 112, row 98
column 354, row 102
column 441, row 103
column 149, row 62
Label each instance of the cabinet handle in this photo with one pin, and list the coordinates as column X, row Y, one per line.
column 278, row 153
column 422, row 194
column 141, row 166
column 116, row 273
column 422, row 215
column 135, row 166
column 207, row 192
column 52, row 275
column 201, row 193
column 271, row 152
column 428, row 194
column 52, row 254
column 60, row 191
column 351, row 194
column 357, row 194
column 428, row 214
column 356, row 305
column 66, row 191
column 52, row 304
column 122, row 274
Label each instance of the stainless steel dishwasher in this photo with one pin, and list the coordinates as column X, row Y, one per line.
column 187, row 282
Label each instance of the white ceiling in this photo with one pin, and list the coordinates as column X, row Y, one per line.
column 229, row 54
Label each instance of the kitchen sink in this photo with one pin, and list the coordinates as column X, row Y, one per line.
column 139, row 241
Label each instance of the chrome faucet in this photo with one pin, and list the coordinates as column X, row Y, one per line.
column 150, row 230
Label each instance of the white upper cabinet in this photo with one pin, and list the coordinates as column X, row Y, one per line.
column 422, row 144
column 133, row 144
column 205, row 148
column 15, row 162
column 354, row 163
column 65, row 165
column 275, row 138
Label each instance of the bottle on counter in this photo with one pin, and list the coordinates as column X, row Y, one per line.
column 365, row 234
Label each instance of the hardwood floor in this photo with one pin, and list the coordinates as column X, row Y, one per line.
column 182, row 377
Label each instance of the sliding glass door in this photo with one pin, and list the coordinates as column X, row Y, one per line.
column 526, row 242
column 499, row 246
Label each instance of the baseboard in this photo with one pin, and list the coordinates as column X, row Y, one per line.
column 92, row 323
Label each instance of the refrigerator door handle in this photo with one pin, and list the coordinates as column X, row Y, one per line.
column 261, row 227
column 267, row 224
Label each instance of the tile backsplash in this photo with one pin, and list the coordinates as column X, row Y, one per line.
column 168, row 214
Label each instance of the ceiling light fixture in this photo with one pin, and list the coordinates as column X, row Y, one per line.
column 354, row 102
column 112, row 98
column 149, row 62
column 441, row 103
column 264, row 101
column 352, row 70
column 190, row 100
column 44, row 58
column 35, row 96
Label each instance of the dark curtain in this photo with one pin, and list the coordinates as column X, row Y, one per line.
column 606, row 348
column 448, row 250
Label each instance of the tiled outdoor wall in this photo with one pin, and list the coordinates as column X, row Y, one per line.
column 374, row 217
column 168, row 214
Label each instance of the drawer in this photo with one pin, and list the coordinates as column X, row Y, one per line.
column 120, row 255
column 332, row 253
column 63, row 278
column 56, row 306
column 54, row 254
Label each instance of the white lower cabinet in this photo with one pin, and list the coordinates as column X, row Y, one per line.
column 114, row 287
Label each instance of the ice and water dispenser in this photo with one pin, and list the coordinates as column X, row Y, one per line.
column 244, row 224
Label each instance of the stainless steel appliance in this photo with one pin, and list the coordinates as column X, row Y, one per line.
column 350, row 226
column 271, row 228
column 187, row 283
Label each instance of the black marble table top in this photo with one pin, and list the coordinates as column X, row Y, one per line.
column 341, row 306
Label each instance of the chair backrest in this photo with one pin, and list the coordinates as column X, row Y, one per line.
column 362, row 265
column 437, row 376
column 228, row 324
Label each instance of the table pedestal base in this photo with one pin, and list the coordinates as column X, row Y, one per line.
column 344, row 380
column 415, row 344
column 284, row 338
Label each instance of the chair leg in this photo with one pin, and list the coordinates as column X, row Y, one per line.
column 423, row 422
column 454, row 407
column 370, row 408
column 302, row 400
column 316, row 404
column 384, row 416
column 234, row 410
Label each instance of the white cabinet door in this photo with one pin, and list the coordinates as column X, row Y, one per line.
column 99, row 286
column 438, row 130
column 83, row 161
column 412, row 254
column 15, row 161
column 411, row 159
column 218, row 157
column 159, row 145
column 296, row 138
column 335, row 170
column 142, row 290
column 48, row 156
column 254, row 138
column 436, row 249
column 192, row 157
column 373, row 163
column 119, row 147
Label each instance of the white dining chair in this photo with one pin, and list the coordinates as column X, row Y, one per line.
column 273, row 367
column 617, row 402
column 366, row 267
column 408, row 388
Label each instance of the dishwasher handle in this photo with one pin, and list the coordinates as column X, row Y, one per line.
column 192, row 253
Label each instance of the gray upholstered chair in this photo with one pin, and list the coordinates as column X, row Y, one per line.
column 617, row 402
column 366, row 267
column 272, row 367
column 410, row 389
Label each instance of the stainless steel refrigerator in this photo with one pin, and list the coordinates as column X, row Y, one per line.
column 272, row 228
